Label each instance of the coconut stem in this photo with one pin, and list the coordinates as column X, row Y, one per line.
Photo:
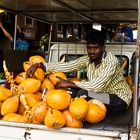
column 10, row 78
column 27, row 109
column 18, row 90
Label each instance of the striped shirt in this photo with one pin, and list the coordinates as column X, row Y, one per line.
column 107, row 77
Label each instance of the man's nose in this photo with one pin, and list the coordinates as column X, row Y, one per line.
column 92, row 50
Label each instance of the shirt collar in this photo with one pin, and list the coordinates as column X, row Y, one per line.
column 104, row 54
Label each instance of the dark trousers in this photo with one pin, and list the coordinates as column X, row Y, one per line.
column 116, row 104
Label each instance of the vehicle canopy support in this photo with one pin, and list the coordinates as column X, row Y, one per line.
column 136, row 80
column 15, row 32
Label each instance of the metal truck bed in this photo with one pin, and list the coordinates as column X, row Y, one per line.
column 113, row 126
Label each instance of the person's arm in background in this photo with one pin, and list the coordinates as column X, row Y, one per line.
column 19, row 29
column 5, row 32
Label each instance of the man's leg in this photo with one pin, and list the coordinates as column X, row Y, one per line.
column 112, row 102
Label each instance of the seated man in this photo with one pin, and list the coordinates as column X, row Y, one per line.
column 105, row 77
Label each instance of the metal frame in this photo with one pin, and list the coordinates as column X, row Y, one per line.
column 86, row 12
column 136, row 83
column 87, row 19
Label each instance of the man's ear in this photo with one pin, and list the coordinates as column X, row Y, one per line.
column 104, row 47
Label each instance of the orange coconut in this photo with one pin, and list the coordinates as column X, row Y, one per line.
column 20, row 77
column 71, row 121
column 39, row 74
column 14, row 117
column 57, row 99
column 96, row 111
column 31, row 99
column 30, row 85
column 54, row 119
column 78, row 108
column 39, row 111
column 53, row 78
column 5, row 93
column 21, row 109
column 47, row 84
column 38, row 95
column 10, row 105
column 36, row 59
column 27, row 65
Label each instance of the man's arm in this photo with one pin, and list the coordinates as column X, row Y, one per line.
column 65, row 84
column 30, row 72
column 59, row 66
column 70, row 66
column 6, row 33
column 19, row 29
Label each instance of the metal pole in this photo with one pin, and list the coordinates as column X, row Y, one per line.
column 136, row 84
column 50, row 36
column 15, row 32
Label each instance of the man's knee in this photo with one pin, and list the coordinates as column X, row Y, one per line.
column 82, row 92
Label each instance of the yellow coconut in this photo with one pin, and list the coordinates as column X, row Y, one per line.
column 47, row 84
column 14, row 117
column 55, row 80
column 71, row 121
column 5, row 93
column 38, row 111
column 31, row 99
column 78, row 108
column 39, row 74
column 27, row 65
column 96, row 111
column 54, row 119
column 20, row 77
column 38, row 95
column 21, row 109
column 36, row 59
column 10, row 105
column 30, row 85
column 57, row 99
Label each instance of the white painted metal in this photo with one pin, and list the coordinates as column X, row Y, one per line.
column 23, row 131
column 124, row 136
column 80, row 48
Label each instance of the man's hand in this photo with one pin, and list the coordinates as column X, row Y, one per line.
column 65, row 83
column 62, row 83
column 30, row 72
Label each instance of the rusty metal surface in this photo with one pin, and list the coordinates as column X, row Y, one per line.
column 75, row 10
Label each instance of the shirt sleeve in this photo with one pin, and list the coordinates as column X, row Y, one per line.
column 101, row 81
column 21, row 45
column 67, row 66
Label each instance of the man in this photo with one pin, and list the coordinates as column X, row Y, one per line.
column 125, row 33
column 21, row 43
column 105, row 78
column 128, row 32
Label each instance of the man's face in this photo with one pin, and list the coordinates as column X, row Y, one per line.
column 95, row 51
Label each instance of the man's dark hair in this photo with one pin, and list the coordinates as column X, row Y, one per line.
column 95, row 37
column 21, row 36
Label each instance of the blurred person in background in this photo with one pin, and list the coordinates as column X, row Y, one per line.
column 124, row 32
column 21, row 43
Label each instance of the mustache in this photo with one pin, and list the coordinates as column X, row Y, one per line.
column 93, row 54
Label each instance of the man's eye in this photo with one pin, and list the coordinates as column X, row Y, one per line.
column 89, row 47
column 92, row 47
